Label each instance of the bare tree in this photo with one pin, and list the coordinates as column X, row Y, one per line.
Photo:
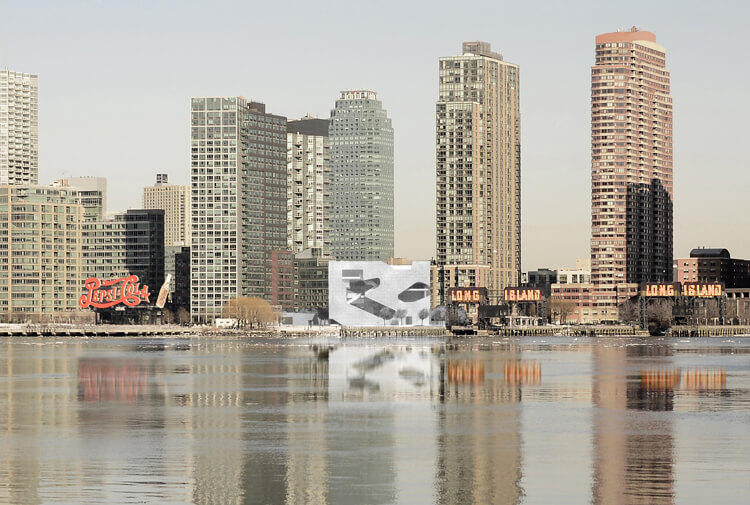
column 560, row 306
column 167, row 316
column 183, row 316
column 659, row 314
column 247, row 310
column 628, row 312
column 712, row 310
column 423, row 314
column 400, row 315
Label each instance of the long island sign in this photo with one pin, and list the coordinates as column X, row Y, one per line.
column 692, row 289
column 102, row 294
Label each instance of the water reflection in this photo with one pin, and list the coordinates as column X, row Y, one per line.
column 633, row 454
column 102, row 421
column 479, row 441
column 102, row 380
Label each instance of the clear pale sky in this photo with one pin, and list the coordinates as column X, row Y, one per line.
column 116, row 79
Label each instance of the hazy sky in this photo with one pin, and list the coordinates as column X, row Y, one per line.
column 116, row 79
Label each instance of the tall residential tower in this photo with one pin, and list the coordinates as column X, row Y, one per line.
column 19, row 128
column 238, row 184
column 361, row 138
column 308, row 185
column 478, row 170
column 631, row 168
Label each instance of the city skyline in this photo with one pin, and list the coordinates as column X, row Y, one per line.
column 556, row 157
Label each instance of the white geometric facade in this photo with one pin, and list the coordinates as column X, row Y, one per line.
column 374, row 293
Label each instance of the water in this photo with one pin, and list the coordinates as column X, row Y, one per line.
column 529, row 420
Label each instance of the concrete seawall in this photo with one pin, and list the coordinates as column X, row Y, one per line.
column 708, row 331
column 357, row 332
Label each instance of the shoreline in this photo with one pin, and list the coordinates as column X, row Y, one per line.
column 165, row 331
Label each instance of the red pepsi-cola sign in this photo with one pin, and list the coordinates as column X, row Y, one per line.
column 102, row 294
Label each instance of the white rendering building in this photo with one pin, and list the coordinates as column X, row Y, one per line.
column 374, row 293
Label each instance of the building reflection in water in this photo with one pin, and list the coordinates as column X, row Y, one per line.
column 34, row 406
column 379, row 449
column 235, row 422
column 130, row 439
column 633, row 453
column 478, row 439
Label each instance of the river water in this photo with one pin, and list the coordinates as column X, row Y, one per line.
column 494, row 421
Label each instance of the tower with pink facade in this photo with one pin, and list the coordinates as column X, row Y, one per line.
column 631, row 168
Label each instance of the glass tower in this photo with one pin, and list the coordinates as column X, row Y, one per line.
column 361, row 139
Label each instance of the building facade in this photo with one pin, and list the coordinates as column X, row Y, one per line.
column 311, row 281
column 19, row 128
column 282, row 279
column 479, row 166
column 361, row 138
column 572, row 294
column 631, row 167
column 181, row 283
column 131, row 243
column 714, row 265
column 374, row 293
column 580, row 274
column 542, row 278
column 308, row 185
column 41, row 234
column 174, row 200
column 238, row 201
column 92, row 192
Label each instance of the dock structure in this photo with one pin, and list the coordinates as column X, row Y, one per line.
column 569, row 331
column 94, row 331
column 507, row 331
column 394, row 331
column 708, row 331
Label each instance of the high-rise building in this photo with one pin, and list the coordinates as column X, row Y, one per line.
column 238, row 185
column 361, row 137
column 174, row 200
column 41, row 272
column 308, row 185
column 631, row 168
column 19, row 128
column 478, row 170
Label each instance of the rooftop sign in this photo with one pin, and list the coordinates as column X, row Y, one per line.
column 695, row 289
column 103, row 294
column 522, row 295
column 467, row 295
